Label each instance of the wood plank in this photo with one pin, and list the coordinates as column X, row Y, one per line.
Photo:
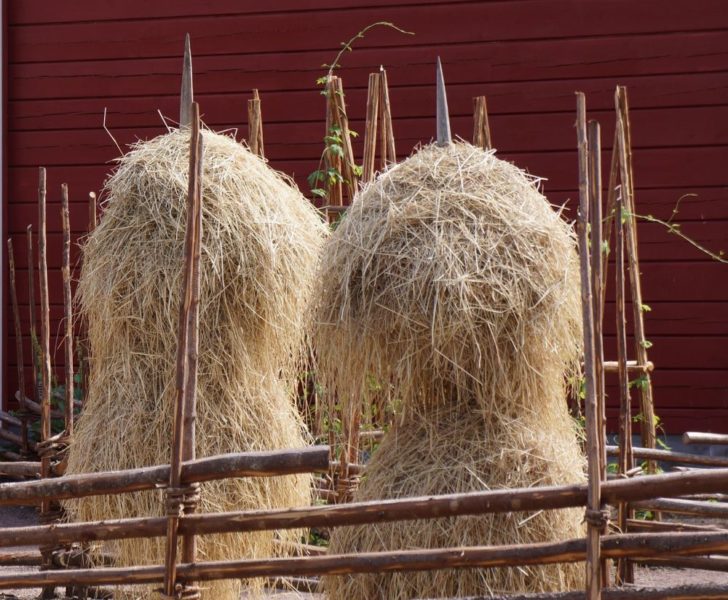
column 663, row 167
column 525, row 132
column 222, row 108
column 611, row 59
column 439, row 25
column 34, row 12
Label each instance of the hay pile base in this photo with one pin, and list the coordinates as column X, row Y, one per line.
column 461, row 451
column 453, row 283
column 260, row 246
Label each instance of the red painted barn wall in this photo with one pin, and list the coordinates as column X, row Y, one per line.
column 68, row 60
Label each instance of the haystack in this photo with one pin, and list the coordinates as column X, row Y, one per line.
column 260, row 248
column 455, row 283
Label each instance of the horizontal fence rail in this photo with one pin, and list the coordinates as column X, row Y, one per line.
column 360, row 513
column 243, row 464
column 638, row 545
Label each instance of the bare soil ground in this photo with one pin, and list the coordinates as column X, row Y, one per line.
column 645, row 576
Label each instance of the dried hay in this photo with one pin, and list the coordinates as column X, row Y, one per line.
column 452, row 282
column 260, row 249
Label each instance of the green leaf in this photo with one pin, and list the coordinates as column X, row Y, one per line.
column 646, row 344
column 645, row 308
column 605, row 247
column 315, row 177
column 319, row 192
column 353, row 133
column 336, row 150
column 358, row 170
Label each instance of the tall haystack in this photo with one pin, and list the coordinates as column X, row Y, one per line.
column 453, row 281
column 261, row 241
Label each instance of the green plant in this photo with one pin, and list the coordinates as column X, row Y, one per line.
column 334, row 141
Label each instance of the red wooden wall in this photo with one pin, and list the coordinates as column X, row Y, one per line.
column 70, row 59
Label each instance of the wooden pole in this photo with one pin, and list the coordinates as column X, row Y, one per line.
column 180, row 499
column 20, row 469
column 357, row 513
column 242, row 464
column 595, row 226
column 594, row 515
column 609, row 215
column 647, row 422
column 47, row 510
column 67, row 310
column 388, row 152
column 370, row 129
column 673, row 457
column 255, row 125
column 644, row 545
column 31, row 311
column 92, row 215
column 695, row 437
column 342, row 120
column 332, row 160
column 19, row 358
column 481, row 126
column 626, row 459
column 713, row 510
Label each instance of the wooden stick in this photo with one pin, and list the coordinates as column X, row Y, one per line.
column 595, row 225
column 21, row 558
column 92, row 214
column 673, row 457
column 695, row 437
column 11, row 420
column 255, row 125
column 189, row 547
column 377, row 511
column 244, row 464
column 67, row 310
column 31, row 310
column 342, row 120
column 612, row 366
column 647, row 423
column 481, row 126
column 19, row 358
column 46, row 507
column 332, row 160
column 704, row 563
column 35, row 408
column 388, row 152
column 14, row 438
column 183, row 442
column 715, row 510
column 625, row 545
column 609, row 214
column 370, row 129
column 20, row 469
column 593, row 561
column 626, row 459
column 643, row 525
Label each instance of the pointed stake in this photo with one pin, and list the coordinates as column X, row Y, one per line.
column 186, row 95
column 444, row 136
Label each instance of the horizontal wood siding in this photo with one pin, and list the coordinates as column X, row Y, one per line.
column 70, row 60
